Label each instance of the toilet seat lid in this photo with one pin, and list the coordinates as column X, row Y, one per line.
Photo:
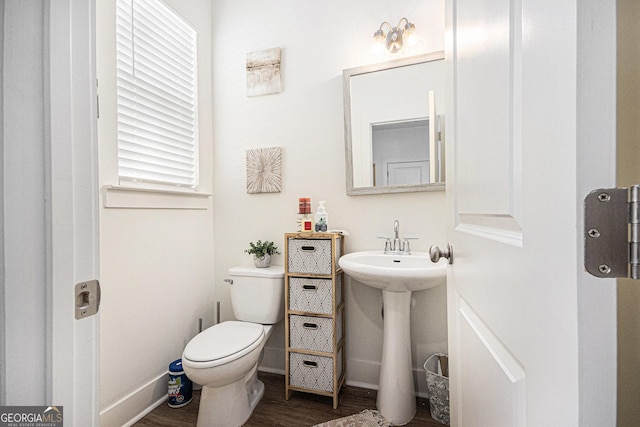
column 223, row 340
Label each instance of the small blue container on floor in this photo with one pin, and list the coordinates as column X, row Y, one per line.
column 180, row 387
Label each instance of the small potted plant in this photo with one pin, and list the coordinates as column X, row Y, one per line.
column 262, row 252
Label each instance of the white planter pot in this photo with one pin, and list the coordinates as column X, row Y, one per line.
column 262, row 262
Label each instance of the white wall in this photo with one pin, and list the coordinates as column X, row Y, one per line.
column 156, row 264
column 318, row 41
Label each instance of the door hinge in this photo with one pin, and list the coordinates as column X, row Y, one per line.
column 611, row 232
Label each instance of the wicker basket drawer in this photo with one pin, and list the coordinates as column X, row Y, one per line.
column 313, row 372
column 313, row 295
column 311, row 256
column 314, row 333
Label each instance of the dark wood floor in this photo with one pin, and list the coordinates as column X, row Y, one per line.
column 303, row 409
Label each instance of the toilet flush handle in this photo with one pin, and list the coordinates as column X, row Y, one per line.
column 229, row 281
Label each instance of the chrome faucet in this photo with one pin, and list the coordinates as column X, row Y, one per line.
column 396, row 233
column 398, row 245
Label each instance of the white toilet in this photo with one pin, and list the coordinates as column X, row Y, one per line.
column 224, row 358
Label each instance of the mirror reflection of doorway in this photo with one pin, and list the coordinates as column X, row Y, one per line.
column 400, row 152
column 410, row 172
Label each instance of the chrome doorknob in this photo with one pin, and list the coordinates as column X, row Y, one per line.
column 435, row 253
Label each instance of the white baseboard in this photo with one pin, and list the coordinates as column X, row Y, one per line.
column 273, row 360
column 135, row 405
column 420, row 392
column 271, row 370
column 366, row 374
column 420, row 382
column 360, row 384
column 142, row 414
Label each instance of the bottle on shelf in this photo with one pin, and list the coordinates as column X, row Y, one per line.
column 322, row 218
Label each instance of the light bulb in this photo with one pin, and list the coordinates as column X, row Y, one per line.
column 378, row 44
column 410, row 34
column 377, row 48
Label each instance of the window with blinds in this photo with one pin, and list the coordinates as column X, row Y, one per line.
column 156, row 95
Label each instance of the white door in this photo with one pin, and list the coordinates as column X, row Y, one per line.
column 530, row 125
column 410, row 172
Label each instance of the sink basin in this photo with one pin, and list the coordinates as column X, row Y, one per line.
column 395, row 273
column 397, row 276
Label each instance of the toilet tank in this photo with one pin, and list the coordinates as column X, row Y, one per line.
column 257, row 294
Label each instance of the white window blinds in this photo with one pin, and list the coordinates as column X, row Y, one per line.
column 156, row 95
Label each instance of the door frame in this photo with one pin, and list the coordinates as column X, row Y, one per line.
column 74, row 226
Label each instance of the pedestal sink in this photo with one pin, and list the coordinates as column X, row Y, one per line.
column 397, row 276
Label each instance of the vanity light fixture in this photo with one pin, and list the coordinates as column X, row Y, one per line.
column 395, row 38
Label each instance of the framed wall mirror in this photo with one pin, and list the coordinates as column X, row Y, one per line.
column 393, row 129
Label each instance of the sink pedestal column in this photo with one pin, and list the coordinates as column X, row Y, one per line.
column 396, row 394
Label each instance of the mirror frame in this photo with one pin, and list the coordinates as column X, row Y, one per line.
column 346, row 94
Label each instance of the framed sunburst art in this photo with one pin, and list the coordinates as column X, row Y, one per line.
column 264, row 170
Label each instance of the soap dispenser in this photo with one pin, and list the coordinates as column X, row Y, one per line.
column 321, row 217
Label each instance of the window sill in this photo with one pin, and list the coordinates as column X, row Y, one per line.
column 142, row 198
